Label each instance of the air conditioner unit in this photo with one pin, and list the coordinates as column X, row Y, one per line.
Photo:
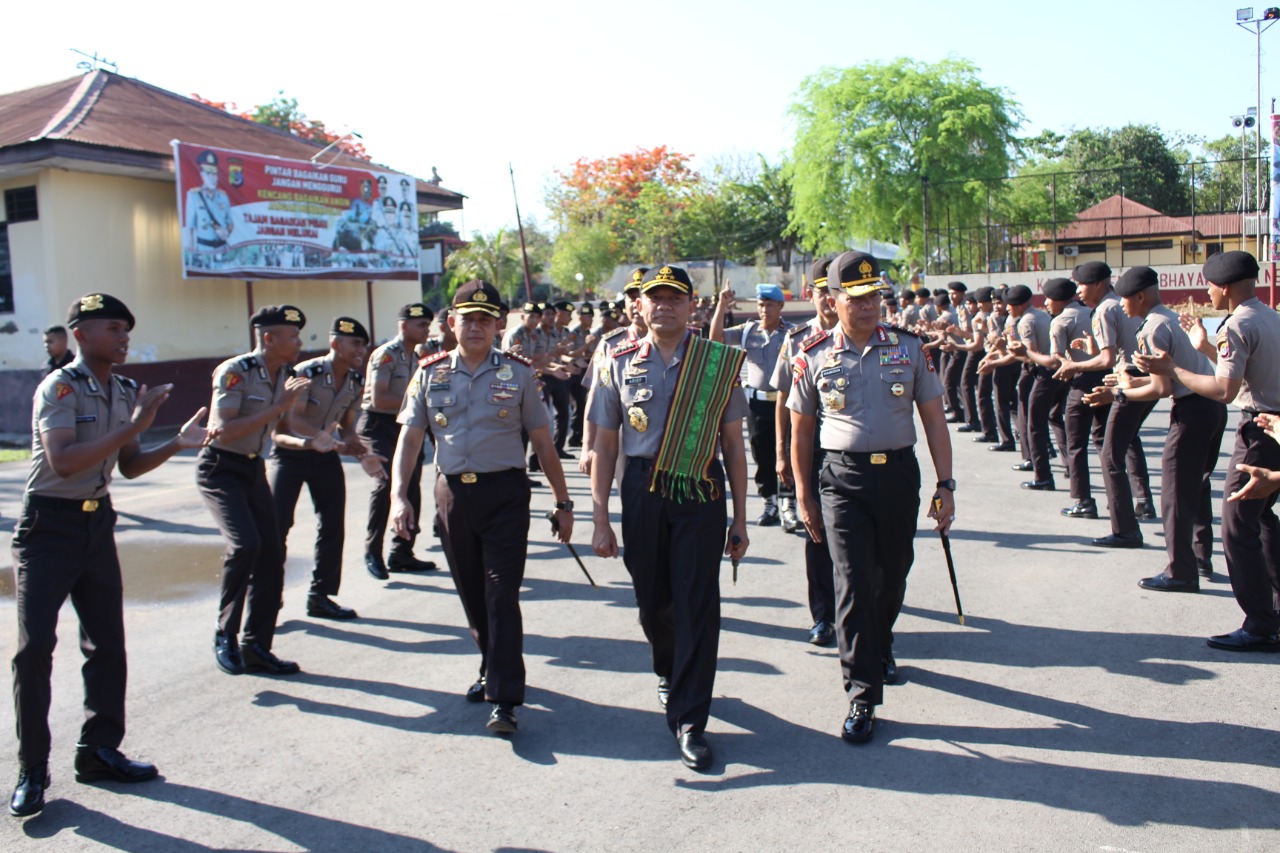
column 1070, row 251
column 1195, row 248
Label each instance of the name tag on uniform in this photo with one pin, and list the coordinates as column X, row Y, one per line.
column 637, row 380
column 832, row 371
column 86, row 419
column 505, row 386
column 438, row 386
column 894, row 355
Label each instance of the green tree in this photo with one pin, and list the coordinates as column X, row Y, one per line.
column 1137, row 159
column 866, row 137
column 721, row 223
column 495, row 258
column 768, row 192
column 1218, row 181
column 586, row 249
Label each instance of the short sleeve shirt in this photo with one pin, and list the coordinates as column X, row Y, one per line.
column 1033, row 330
column 1111, row 328
column 1249, row 350
column 762, row 348
column 243, row 385
column 391, row 363
column 1072, row 323
column 1162, row 331
column 326, row 401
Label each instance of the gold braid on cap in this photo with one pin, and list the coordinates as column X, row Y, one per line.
column 820, row 282
column 667, row 276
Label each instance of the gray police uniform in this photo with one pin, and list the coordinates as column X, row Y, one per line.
column 1249, row 350
column 870, row 483
column 326, row 402
column 395, row 364
column 232, row 479
column 672, row 548
column 555, row 389
column 1124, row 462
column 1034, row 327
column 482, row 496
column 1070, row 324
column 762, row 347
column 64, row 545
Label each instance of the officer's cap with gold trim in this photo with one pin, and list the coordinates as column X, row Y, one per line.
column 818, row 272
column 857, row 273
column 279, row 315
column 635, row 281
column 416, row 311
column 1229, row 267
column 207, row 159
column 477, row 296
column 98, row 306
column 348, row 327
column 668, row 276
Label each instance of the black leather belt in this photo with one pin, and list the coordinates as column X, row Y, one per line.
column 883, row 457
column 468, row 478
column 235, row 454
column 68, row 504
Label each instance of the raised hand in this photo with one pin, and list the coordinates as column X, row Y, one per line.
column 192, row 434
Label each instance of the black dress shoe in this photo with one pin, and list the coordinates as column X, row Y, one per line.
column 502, row 719
column 890, row 669
column 28, row 796
column 533, row 484
column 1241, row 640
column 258, row 658
column 1082, row 509
column 475, row 693
column 968, row 428
column 986, row 438
column 955, row 420
column 564, row 454
column 664, row 691
column 1003, row 447
column 1119, row 540
column 1039, row 485
column 534, row 464
column 1024, row 465
column 1204, row 569
column 695, row 752
column 770, row 517
column 373, row 563
column 1144, row 510
column 96, row 763
column 860, row 724
column 1162, row 583
column 822, row 633
column 401, row 562
column 226, row 653
column 323, row 607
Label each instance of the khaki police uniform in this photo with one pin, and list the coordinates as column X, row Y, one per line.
column 762, row 347
column 1124, row 461
column 482, row 496
column 555, row 390
column 394, row 363
column 1034, row 330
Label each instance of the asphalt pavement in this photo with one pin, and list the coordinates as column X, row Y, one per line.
column 1072, row 711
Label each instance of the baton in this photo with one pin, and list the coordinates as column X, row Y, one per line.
column 951, row 566
column 555, row 530
column 736, row 540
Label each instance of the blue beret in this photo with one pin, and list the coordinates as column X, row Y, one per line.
column 770, row 291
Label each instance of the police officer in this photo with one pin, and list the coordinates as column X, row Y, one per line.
column 673, row 505
column 1004, row 375
column 1048, row 398
column 865, row 378
column 1247, row 372
column 390, row 368
column 817, row 557
column 1196, row 425
column 581, row 342
column 55, row 346
column 305, row 451
column 762, row 339
column 1034, row 342
column 477, row 400
column 552, row 345
column 87, row 421
column 251, row 392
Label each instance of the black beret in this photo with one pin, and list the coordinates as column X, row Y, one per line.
column 939, row 291
column 1135, row 279
column 635, row 280
column 279, row 315
column 857, row 273
column 818, row 271
column 477, row 295
column 957, row 285
column 943, row 302
column 98, row 306
column 414, row 310
column 531, row 308
column 620, row 305
column 1059, row 289
column 546, row 306
column 1019, row 294
column 921, row 292
column 984, row 293
column 609, row 313
column 1091, row 272
column 668, row 276
column 998, row 294
column 1230, row 267
column 564, row 305
column 969, row 297
column 348, row 327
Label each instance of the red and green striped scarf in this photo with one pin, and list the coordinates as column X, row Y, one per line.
column 681, row 470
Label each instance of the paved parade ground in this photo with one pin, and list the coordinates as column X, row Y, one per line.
column 1073, row 711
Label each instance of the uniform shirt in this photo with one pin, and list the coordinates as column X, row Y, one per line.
column 519, row 337
column 1033, row 330
column 576, row 336
column 910, row 315
column 633, row 383
column 1249, row 349
column 865, row 398
column 394, row 364
column 1111, row 328
column 476, row 418
column 327, row 402
column 1072, row 323
column 72, row 398
column 243, row 384
column 205, row 214
column 604, row 347
column 780, row 379
column 1162, row 331
column 762, row 348
column 544, row 341
column 929, row 312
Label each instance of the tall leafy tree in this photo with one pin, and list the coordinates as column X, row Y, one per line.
column 283, row 113
column 1218, row 181
column 589, row 250
column 1139, row 160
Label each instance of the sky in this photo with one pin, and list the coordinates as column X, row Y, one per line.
column 469, row 87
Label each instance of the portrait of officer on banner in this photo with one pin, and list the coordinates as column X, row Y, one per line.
column 207, row 216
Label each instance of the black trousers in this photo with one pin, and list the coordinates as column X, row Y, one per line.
column 1196, row 425
column 60, row 551
column 952, row 377
column 1026, row 381
column 484, row 529
column 380, row 432
column 762, row 430
column 870, row 516
column 672, row 550
column 1047, row 394
column 986, row 399
column 234, row 487
column 818, row 569
column 557, row 392
column 1005, row 380
column 323, row 477
column 1084, row 423
column 1251, row 533
column 1122, row 442
column 577, row 393
column 969, row 386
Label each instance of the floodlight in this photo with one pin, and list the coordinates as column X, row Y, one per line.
column 1244, row 14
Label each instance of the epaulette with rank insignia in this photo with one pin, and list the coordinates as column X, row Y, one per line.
column 314, row 370
column 249, row 362
column 608, row 336
column 516, row 357
column 125, row 381
column 814, row 339
column 900, row 330
column 357, row 378
column 798, row 329
column 433, row 358
column 73, row 372
column 631, row 347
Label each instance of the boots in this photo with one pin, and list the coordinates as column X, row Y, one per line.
column 787, row 509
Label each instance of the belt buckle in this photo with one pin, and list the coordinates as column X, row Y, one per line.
column 467, row 477
column 89, row 506
column 771, row 396
column 879, row 458
column 253, row 456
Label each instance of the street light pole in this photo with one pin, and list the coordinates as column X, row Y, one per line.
column 1246, row 21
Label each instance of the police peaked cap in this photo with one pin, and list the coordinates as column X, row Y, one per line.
column 1230, row 267
column 415, row 311
column 1136, row 279
column 668, row 276
column 1059, row 289
column 857, row 273
column 1091, row 272
column 98, row 306
column 477, row 296
column 348, row 327
column 635, row 281
column 818, row 271
column 279, row 315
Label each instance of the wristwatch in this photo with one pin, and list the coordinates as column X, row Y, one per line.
column 1118, row 393
column 567, row 506
column 949, row 485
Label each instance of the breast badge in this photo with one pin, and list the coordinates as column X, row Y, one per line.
column 638, row 419
column 643, row 394
column 502, row 413
column 505, row 373
column 897, row 389
column 441, row 420
column 833, row 400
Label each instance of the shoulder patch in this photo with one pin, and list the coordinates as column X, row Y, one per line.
column 62, row 389
column 623, row 350
column 814, row 339
column 519, row 359
column 428, row 360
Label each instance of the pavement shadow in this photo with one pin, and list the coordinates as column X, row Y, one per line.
column 160, row 526
column 453, row 640
column 306, row 831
